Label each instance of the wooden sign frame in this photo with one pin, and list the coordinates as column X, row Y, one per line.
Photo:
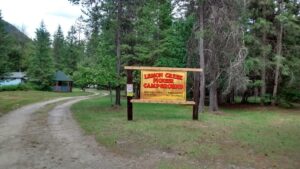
column 196, row 93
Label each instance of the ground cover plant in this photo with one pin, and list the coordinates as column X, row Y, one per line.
column 242, row 136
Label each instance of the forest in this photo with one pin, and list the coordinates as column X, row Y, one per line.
column 246, row 48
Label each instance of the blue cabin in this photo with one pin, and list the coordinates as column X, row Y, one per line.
column 62, row 83
column 13, row 78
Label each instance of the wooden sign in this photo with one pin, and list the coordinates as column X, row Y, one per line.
column 163, row 85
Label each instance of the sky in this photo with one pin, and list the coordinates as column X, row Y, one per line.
column 29, row 14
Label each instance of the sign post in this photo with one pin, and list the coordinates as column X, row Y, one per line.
column 129, row 95
column 162, row 85
column 196, row 94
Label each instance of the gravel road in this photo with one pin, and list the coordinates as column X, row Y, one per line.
column 33, row 139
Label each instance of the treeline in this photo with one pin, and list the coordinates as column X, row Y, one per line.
column 63, row 53
column 246, row 48
column 41, row 57
column 14, row 48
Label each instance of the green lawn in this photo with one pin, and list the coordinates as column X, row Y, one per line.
column 10, row 100
column 258, row 137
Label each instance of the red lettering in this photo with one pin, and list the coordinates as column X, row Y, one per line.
column 158, row 80
column 163, row 85
column 152, row 75
column 173, row 76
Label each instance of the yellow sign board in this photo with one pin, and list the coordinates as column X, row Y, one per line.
column 163, row 85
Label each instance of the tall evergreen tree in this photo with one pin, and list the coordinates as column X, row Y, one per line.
column 201, row 55
column 41, row 66
column 290, row 73
column 59, row 50
column 170, row 37
column 272, row 23
column 261, row 27
column 108, row 16
column 4, row 48
column 73, row 51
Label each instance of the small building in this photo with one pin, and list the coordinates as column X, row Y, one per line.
column 13, row 78
column 62, row 83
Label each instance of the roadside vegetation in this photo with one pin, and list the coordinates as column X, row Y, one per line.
column 242, row 136
column 10, row 100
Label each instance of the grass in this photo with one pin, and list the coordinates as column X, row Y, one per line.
column 258, row 137
column 10, row 100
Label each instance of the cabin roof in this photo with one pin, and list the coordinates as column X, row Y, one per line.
column 61, row 76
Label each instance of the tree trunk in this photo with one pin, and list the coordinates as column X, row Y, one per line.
column 256, row 93
column 230, row 97
column 245, row 97
column 137, row 91
column 213, row 99
column 110, row 94
column 278, row 61
column 221, row 98
column 118, row 96
column 118, row 52
column 202, row 61
column 264, row 60
column 263, row 73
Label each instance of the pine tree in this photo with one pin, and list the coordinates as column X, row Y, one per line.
column 108, row 16
column 201, row 55
column 4, row 49
column 59, row 50
column 170, row 49
column 273, row 24
column 73, row 51
column 41, row 66
column 262, row 29
column 286, row 75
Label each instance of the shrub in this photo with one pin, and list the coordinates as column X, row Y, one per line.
column 291, row 95
column 288, row 96
column 15, row 87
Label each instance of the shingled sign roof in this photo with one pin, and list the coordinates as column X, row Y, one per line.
column 61, row 76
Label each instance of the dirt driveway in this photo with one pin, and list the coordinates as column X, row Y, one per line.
column 45, row 136
column 33, row 139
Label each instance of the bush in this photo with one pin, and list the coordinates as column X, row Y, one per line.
column 287, row 97
column 291, row 95
column 15, row 87
column 285, row 103
column 33, row 86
